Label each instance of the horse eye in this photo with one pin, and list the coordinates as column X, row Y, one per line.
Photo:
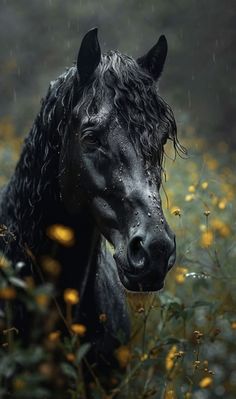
column 89, row 138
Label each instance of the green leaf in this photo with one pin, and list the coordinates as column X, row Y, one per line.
column 83, row 350
column 69, row 370
column 17, row 282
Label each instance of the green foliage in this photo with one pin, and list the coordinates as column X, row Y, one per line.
column 183, row 339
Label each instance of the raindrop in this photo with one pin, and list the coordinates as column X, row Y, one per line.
column 197, row 275
column 20, row 265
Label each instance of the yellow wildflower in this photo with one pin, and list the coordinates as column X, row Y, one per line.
column 51, row 266
column 42, row 300
column 70, row 357
column 71, row 296
column 221, row 227
column 62, row 234
column 233, row 325
column 170, row 394
column 180, row 274
column 7, row 293
column 212, row 163
column 4, row 262
column 176, row 211
column 206, row 382
column 222, row 204
column 123, row 356
column 203, row 227
column 192, row 189
column 189, row 197
column 170, row 358
column 144, row 357
column 78, row 329
column 54, row 336
column 204, row 185
column 207, row 239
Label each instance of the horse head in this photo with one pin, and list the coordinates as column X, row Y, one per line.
column 113, row 167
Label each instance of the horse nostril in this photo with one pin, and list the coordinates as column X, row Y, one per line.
column 137, row 255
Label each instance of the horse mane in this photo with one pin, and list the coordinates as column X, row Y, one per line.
column 148, row 119
column 35, row 181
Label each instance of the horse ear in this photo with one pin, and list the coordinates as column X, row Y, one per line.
column 154, row 60
column 89, row 55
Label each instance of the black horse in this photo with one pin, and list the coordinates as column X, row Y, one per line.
column 93, row 162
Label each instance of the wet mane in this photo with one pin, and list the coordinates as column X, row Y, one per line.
column 148, row 119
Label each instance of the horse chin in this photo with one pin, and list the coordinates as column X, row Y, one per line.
column 140, row 287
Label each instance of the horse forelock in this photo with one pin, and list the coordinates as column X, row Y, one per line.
column 149, row 120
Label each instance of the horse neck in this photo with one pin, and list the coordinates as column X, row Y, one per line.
column 78, row 261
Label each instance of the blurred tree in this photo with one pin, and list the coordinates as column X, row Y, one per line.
column 38, row 39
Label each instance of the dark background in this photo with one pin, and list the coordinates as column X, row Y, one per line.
column 39, row 38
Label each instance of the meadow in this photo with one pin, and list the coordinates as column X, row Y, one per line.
column 183, row 343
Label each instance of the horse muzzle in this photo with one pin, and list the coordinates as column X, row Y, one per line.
column 148, row 261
